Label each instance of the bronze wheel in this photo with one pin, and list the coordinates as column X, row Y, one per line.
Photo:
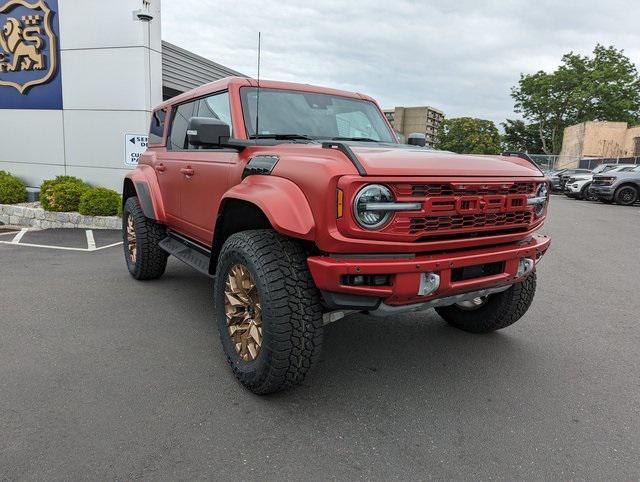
column 131, row 239
column 243, row 312
column 141, row 238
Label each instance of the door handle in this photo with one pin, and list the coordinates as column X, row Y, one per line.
column 187, row 171
column 160, row 168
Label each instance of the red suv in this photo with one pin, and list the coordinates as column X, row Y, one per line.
column 302, row 204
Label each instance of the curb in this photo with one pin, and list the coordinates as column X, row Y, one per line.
column 35, row 217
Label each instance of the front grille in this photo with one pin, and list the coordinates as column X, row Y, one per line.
column 459, row 222
column 461, row 189
column 458, row 209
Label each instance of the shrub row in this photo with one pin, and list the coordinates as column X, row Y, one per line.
column 68, row 193
column 63, row 194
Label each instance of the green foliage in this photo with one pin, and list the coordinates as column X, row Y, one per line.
column 49, row 194
column 522, row 137
column 12, row 189
column 466, row 135
column 100, row 201
column 65, row 196
column 603, row 87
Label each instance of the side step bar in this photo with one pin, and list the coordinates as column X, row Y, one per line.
column 187, row 251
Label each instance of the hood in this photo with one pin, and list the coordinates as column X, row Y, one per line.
column 389, row 160
column 619, row 174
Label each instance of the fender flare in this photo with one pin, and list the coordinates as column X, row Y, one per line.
column 282, row 202
column 145, row 185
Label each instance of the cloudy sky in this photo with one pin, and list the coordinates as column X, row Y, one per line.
column 461, row 56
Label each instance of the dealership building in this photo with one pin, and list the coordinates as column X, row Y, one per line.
column 78, row 80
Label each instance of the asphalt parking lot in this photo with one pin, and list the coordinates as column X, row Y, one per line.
column 103, row 377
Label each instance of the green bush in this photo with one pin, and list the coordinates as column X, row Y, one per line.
column 50, row 190
column 12, row 189
column 100, row 201
column 65, row 197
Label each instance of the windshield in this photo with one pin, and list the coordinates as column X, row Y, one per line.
column 296, row 114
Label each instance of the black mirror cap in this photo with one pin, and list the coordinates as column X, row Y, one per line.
column 417, row 139
column 207, row 131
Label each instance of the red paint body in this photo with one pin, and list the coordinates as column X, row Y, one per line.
column 187, row 189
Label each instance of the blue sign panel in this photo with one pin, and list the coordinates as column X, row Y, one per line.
column 30, row 75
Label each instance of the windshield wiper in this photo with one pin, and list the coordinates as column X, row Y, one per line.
column 361, row 139
column 281, row 136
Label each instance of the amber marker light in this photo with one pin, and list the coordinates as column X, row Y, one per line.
column 340, row 202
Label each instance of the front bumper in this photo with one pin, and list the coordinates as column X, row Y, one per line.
column 329, row 272
column 603, row 192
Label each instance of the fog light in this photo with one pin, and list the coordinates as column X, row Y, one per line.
column 429, row 282
column 524, row 267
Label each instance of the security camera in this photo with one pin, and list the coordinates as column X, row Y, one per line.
column 143, row 15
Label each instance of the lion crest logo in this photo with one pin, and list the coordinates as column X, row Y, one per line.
column 28, row 45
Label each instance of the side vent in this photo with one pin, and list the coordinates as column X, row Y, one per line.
column 261, row 165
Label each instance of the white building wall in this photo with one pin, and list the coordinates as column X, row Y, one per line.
column 111, row 79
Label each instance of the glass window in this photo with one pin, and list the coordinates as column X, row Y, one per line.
column 178, row 139
column 318, row 116
column 217, row 107
column 156, row 131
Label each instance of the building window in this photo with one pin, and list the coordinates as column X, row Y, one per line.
column 636, row 146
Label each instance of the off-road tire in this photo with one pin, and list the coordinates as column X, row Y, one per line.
column 626, row 195
column 151, row 260
column 291, row 310
column 500, row 310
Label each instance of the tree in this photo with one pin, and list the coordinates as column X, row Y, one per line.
column 603, row 87
column 466, row 135
column 519, row 136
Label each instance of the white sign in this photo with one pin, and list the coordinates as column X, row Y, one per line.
column 134, row 145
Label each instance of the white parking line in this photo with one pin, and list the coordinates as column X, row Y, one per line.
column 18, row 236
column 91, row 243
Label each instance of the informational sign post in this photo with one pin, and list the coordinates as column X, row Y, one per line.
column 134, row 146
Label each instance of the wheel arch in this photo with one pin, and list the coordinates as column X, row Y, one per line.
column 142, row 182
column 262, row 202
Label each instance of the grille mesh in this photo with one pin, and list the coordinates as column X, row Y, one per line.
column 437, row 224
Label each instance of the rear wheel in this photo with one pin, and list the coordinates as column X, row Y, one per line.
column 268, row 310
column 493, row 312
column 626, row 195
column 141, row 235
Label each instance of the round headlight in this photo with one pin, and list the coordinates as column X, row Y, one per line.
column 543, row 192
column 373, row 193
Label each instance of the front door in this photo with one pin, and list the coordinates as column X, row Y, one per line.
column 201, row 175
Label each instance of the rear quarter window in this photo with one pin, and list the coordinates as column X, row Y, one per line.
column 156, row 130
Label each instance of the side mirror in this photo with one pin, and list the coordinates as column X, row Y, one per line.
column 207, row 131
column 417, row 139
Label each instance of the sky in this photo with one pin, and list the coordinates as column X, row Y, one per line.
column 460, row 56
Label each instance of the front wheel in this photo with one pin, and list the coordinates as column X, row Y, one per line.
column 268, row 310
column 626, row 195
column 493, row 312
column 587, row 193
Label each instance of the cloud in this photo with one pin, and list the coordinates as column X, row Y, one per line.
column 462, row 57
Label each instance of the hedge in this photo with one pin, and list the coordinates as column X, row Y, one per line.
column 12, row 189
column 62, row 194
column 100, row 201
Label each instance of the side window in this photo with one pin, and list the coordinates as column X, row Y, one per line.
column 178, row 138
column 216, row 106
column 156, row 130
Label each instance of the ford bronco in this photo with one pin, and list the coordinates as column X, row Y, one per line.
column 304, row 207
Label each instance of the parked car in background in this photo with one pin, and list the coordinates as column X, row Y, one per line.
column 622, row 187
column 564, row 176
column 577, row 186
